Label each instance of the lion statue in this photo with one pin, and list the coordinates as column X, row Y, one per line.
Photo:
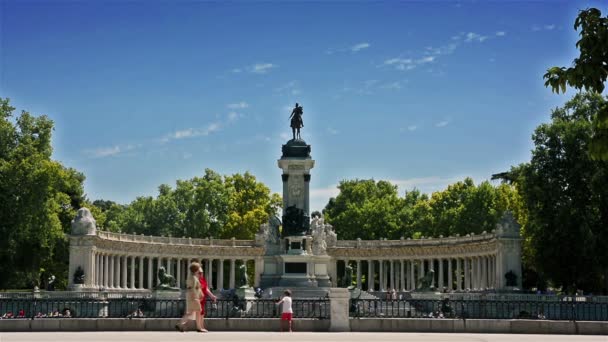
column 84, row 223
column 165, row 280
column 426, row 283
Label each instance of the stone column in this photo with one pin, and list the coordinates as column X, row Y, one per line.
column 479, row 272
column 111, row 271
column 338, row 304
column 231, row 283
column 209, row 274
column 450, row 283
column 259, row 269
column 141, row 273
column 124, row 272
column 132, row 272
column 440, row 283
column 106, row 272
column 178, row 273
column 370, row 275
column 392, row 273
column 484, row 270
column 458, row 275
column 467, row 278
column 150, row 273
column 168, row 268
column 381, row 275
column 412, row 278
column 359, row 274
column 402, row 286
column 99, row 270
column 220, row 275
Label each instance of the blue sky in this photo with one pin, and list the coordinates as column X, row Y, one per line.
column 420, row 93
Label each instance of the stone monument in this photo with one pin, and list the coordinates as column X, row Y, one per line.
column 297, row 257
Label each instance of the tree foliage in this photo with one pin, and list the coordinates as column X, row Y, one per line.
column 566, row 195
column 589, row 71
column 368, row 209
column 211, row 205
column 38, row 199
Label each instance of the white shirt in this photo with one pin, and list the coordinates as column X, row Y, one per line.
column 287, row 305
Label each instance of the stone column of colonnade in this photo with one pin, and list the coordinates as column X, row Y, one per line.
column 458, row 273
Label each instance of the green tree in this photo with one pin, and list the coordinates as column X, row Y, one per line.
column 38, row 199
column 566, row 197
column 589, row 71
column 211, row 205
column 368, row 209
column 365, row 209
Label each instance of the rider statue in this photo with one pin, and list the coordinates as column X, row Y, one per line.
column 296, row 121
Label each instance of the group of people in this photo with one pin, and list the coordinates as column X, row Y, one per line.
column 21, row 314
column 197, row 291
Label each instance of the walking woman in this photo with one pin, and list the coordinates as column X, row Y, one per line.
column 193, row 299
column 205, row 292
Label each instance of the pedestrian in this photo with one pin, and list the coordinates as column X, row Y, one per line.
column 204, row 293
column 287, row 314
column 193, row 299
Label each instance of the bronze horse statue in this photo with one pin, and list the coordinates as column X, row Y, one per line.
column 296, row 121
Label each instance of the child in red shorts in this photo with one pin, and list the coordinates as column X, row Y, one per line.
column 287, row 314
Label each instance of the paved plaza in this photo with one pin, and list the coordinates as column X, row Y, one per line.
column 293, row 337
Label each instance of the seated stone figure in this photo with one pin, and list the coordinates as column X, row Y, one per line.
column 79, row 276
column 425, row 283
column 165, row 280
column 348, row 277
column 241, row 277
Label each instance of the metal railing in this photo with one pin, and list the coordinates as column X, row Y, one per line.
column 151, row 307
column 480, row 309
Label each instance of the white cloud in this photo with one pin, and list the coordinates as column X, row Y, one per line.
column 408, row 63
column 353, row 48
column 442, row 123
column 239, row 105
column 236, row 70
column 103, row 152
column 192, row 132
column 284, row 136
column 472, row 37
column 232, row 116
column 548, row 27
column 360, row 46
column 332, row 131
column 501, row 33
column 412, row 128
column 290, row 87
column 392, row 85
column 261, row 68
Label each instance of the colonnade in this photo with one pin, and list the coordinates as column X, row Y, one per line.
column 140, row 272
column 458, row 273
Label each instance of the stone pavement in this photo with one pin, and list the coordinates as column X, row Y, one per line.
column 153, row 336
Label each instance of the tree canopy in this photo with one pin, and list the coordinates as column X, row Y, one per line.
column 211, row 205
column 369, row 209
column 589, row 71
column 38, row 199
column 566, row 195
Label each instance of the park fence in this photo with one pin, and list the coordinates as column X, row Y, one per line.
column 564, row 308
